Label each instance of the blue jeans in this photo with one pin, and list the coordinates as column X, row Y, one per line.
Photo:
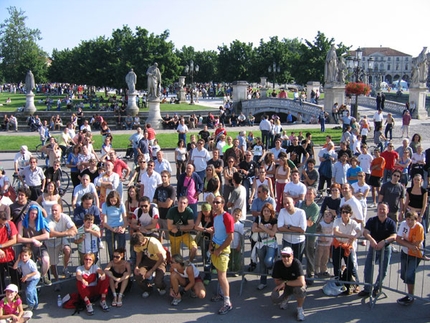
column 298, row 248
column 183, row 136
column 202, row 174
column 31, row 292
column 381, row 262
column 194, row 208
column 266, row 255
column 111, row 238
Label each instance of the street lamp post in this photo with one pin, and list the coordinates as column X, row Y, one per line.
column 276, row 69
column 190, row 70
column 353, row 64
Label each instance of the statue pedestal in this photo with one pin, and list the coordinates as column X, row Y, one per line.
column 30, row 108
column 154, row 115
column 263, row 93
column 418, row 96
column 181, row 96
column 333, row 94
column 132, row 107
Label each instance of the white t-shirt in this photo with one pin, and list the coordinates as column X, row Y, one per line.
column 200, row 159
column 62, row 225
column 150, row 183
column 297, row 219
column 365, row 161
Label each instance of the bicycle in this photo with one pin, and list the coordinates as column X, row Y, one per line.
column 39, row 154
column 64, row 182
column 67, row 208
column 16, row 183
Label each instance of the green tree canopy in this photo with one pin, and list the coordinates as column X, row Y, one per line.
column 19, row 49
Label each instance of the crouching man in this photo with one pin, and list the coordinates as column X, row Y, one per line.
column 289, row 280
column 150, row 259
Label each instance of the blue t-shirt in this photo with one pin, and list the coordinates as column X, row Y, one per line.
column 353, row 172
column 114, row 214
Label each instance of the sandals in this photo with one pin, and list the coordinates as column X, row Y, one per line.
column 114, row 301
column 119, row 301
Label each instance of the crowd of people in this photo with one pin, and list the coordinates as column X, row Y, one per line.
column 272, row 178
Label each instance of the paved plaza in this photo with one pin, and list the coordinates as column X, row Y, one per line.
column 254, row 305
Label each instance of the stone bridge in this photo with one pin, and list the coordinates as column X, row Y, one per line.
column 258, row 107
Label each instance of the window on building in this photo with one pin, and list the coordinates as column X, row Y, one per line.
column 397, row 59
column 406, row 67
column 406, row 59
column 389, row 58
column 388, row 67
column 397, row 67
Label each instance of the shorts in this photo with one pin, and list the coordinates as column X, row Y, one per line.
column 221, row 262
column 375, row 181
column 279, row 296
column 408, row 268
column 54, row 253
column 175, row 243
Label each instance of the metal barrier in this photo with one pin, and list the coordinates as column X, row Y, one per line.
column 392, row 282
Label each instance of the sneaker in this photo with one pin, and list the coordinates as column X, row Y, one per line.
column 356, row 289
column 300, row 315
column 57, row 287
column 46, row 280
column 225, row 309
column 363, row 293
column 193, row 294
column 214, row 271
column 162, row 292
column 206, row 282
column 405, row 301
column 90, row 310
column 375, row 292
column 284, row 304
column 373, row 205
column 66, row 272
column 101, row 245
column 217, row 298
column 261, row 286
column 145, row 295
column 104, row 306
column 176, row 301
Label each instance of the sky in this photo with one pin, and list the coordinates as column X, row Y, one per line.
column 207, row 24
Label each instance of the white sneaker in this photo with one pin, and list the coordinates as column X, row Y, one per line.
column 284, row 304
column 162, row 292
column 300, row 315
column 145, row 295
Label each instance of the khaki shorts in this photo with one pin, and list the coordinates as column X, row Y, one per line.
column 221, row 262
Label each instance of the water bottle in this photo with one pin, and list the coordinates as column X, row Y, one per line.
column 59, row 301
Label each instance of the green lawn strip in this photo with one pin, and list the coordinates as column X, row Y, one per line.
column 13, row 141
column 18, row 100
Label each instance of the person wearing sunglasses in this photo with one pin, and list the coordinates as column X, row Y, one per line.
column 393, row 193
column 289, row 280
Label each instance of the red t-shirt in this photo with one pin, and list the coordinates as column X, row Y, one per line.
column 390, row 158
column 10, row 254
column 151, row 133
column 118, row 166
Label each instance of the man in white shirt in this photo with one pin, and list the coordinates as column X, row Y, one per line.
column 200, row 157
column 182, row 130
column 85, row 187
column 295, row 189
column 134, row 140
column 265, row 128
column 238, row 196
column 291, row 219
column 161, row 164
column 365, row 159
column 61, row 227
column 149, row 181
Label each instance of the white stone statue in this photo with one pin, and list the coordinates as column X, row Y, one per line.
column 341, row 70
column 154, row 82
column 29, row 82
column 131, row 80
column 423, row 66
column 331, row 69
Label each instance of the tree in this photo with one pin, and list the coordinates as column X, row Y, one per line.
column 312, row 60
column 19, row 49
column 235, row 62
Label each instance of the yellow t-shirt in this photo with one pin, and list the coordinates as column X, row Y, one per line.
column 151, row 249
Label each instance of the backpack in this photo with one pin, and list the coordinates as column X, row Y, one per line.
column 75, row 302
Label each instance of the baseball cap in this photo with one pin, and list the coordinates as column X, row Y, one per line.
column 12, row 288
column 287, row 251
column 206, row 207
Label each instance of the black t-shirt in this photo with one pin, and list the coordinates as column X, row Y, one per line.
column 217, row 163
column 162, row 193
column 53, row 175
column 250, row 167
column 287, row 273
column 341, row 152
column 92, row 176
column 299, row 150
column 204, row 135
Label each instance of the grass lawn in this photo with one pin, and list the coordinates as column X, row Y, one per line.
column 18, row 100
column 166, row 140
